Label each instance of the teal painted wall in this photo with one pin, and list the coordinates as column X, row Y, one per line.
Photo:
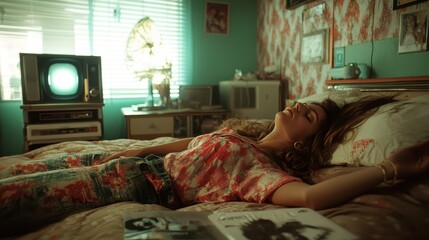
column 215, row 57
column 11, row 128
column 386, row 60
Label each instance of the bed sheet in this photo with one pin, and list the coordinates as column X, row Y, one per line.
column 397, row 212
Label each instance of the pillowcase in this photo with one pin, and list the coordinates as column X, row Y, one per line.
column 344, row 96
column 393, row 126
column 340, row 97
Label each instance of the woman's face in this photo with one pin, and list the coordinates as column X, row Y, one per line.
column 300, row 122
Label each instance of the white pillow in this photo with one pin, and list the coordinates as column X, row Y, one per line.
column 393, row 126
column 340, row 97
column 344, row 96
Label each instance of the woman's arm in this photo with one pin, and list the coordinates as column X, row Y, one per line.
column 328, row 193
column 410, row 161
column 161, row 149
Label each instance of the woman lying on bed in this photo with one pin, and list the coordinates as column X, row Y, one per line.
column 226, row 165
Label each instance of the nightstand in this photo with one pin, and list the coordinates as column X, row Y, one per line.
column 178, row 123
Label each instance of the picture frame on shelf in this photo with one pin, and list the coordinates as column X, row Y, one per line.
column 314, row 47
column 413, row 31
column 217, row 18
column 339, row 57
column 398, row 4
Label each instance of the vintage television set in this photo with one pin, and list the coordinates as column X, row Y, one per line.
column 57, row 78
column 62, row 98
column 199, row 96
column 252, row 99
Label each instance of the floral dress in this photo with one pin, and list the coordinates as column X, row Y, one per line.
column 224, row 166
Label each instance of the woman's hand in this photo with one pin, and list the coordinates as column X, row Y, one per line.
column 411, row 161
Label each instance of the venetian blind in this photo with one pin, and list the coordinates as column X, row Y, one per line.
column 90, row 27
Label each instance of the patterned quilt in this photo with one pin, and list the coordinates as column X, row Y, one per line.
column 77, row 172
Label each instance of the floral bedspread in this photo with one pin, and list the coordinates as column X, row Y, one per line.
column 76, row 171
column 46, row 184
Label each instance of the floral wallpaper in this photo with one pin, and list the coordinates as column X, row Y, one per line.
column 348, row 22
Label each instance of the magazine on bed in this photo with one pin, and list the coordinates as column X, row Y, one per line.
column 284, row 223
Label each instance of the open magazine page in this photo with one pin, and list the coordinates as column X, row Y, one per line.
column 287, row 223
column 169, row 225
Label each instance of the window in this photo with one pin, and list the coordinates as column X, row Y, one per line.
column 90, row 27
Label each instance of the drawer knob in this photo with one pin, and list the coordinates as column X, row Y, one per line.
column 152, row 125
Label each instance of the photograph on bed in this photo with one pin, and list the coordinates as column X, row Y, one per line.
column 248, row 161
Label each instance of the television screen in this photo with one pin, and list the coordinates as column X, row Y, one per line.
column 57, row 78
column 63, row 79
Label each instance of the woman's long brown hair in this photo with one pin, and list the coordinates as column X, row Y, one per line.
column 351, row 116
column 320, row 147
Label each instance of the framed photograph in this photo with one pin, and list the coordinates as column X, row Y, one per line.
column 313, row 17
column 397, row 4
column 217, row 18
column 339, row 57
column 313, row 47
column 291, row 4
column 413, row 31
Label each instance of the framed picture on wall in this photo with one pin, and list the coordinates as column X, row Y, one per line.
column 217, row 18
column 314, row 47
column 291, row 4
column 413, row 31
column 397, row 4
column 313, row 17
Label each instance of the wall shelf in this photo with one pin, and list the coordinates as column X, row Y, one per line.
column 381, row 84
column 377, row 80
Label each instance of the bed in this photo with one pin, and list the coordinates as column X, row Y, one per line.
column 387, row 212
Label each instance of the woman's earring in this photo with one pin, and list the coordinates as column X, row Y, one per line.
column 298, row 146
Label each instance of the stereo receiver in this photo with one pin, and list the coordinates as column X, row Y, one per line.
column 63, row 131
